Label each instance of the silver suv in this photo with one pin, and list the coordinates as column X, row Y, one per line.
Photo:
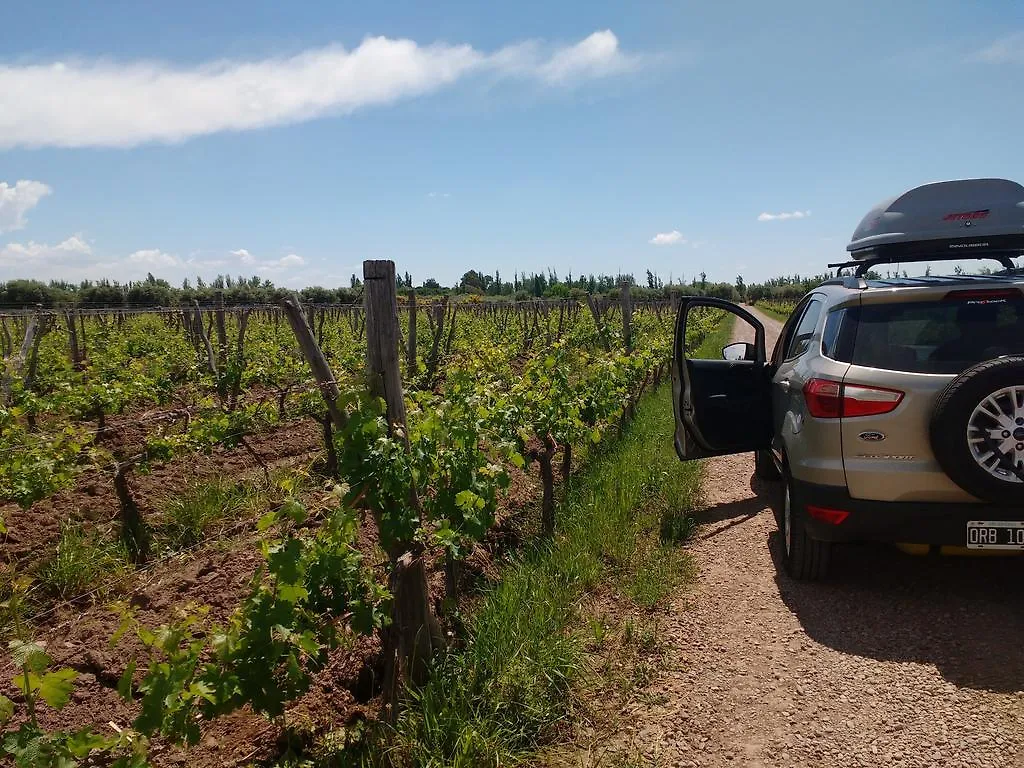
column 892, row 410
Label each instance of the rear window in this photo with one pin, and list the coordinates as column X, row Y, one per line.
column 930, row 337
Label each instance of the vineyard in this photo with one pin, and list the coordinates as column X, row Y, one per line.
column 778, row 309
column 232, row 525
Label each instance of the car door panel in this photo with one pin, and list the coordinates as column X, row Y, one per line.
column 721, row 406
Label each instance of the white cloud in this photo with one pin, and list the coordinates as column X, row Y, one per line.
column 783, row 216
column 154, row 257
column 31, row 254
column 439, row 194
column 250, row 260
column 1005, row 50
column 19, row 199
column 73, row 259
column 244, row 256
column 81, row 103
column 674, row 237
column 595, row 56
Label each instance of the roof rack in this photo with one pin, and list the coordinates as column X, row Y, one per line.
column 901, row 256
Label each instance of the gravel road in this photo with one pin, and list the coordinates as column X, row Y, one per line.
column 897, row 661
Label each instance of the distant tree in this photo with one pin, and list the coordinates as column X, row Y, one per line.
column 431, row 287
column 471, row 281
column 741, row 287
column 150, row 292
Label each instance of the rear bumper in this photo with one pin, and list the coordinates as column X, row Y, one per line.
column 894, row 521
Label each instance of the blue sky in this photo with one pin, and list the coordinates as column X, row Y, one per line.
column 295, row 140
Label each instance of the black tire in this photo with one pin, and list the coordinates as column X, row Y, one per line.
column 805, row 558
column 764, row 465
column 949, row 422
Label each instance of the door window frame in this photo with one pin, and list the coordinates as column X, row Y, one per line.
column 813, row 299
column 786, row 336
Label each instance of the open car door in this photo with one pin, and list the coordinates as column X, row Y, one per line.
column 721, row 398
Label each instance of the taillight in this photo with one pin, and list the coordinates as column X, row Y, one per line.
column 869, row 401
column 824, row 398
column 832, row 399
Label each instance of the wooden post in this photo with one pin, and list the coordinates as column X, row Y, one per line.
column 598, row 323
column 76, row 356
column 26, row 345
column 627, row 315
column 83, row 339
column 8, row 346
column 410, row 350
column 381, row 302
column 317, row 362
column 414, row 635
column 197, row 315
column 222, row 331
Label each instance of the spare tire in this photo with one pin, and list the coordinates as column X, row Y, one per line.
column 977, row 430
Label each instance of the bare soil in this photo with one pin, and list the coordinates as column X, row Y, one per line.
column 896, row 661
column 217, row 576
column 32, row 532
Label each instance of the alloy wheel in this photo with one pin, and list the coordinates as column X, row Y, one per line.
column 995, row 434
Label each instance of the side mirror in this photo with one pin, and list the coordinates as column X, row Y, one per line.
column 741, row 350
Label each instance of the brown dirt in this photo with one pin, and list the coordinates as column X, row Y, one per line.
column 897, row 661
column 218, row 576
column 33, row 531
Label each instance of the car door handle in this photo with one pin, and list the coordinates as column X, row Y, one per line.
column 784, row 385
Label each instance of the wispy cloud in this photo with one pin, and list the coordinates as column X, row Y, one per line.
column 783, row 216
column 82, row 103
column 674, row 237
column 439, row 194
column 1007, row 49
column 244, row 256
column 18, row 199
column 250, row 261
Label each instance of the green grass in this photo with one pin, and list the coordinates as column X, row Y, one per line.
column 509, row 689
column 773, row 312
column 81, row 561
column 202, row 509
column 711, row 347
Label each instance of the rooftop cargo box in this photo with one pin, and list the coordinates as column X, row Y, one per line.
column 969, row 218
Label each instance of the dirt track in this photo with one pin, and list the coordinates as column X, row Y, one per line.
column 897, row 661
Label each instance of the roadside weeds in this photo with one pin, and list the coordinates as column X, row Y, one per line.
column 517, row 684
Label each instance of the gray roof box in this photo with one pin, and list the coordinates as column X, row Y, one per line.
column 945, row 220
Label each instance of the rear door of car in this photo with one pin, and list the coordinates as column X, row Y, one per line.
column 894, row 341
column 812, row 447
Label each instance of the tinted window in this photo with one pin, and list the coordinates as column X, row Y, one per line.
column 804, row 330
column 937, row 336
column 830, row 336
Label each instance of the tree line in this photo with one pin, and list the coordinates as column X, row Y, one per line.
column 237, row 291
